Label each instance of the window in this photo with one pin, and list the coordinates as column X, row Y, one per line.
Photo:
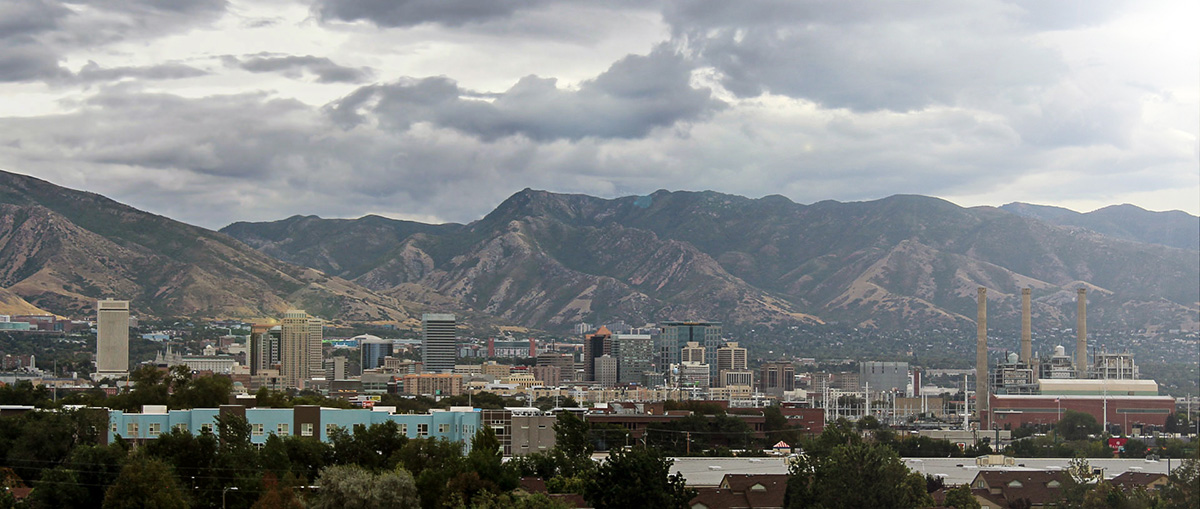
column 182, row 427
column 306, row 429
column 206, row 428
column 1015, row 484
column 257, row 429
column 131, row 429
column 282, row 430
column 422, row 430
column 443, row 428
column 404, row 429
column 114, row 427
column 154, row 429
column 1053, row 484
column 330, row 428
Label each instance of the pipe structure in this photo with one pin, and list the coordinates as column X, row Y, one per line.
column 1026, row 325
column 981, row 360
column 1081, row 334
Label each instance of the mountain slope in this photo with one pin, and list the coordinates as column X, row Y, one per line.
column 62, row 249
column 1174, row 228
column 546, row 259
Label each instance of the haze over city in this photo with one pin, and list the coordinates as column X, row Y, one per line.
column 212, row 112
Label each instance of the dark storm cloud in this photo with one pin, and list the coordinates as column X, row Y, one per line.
column 405, row 13
column 36, row 34
column 635, row 95
column 294, row 66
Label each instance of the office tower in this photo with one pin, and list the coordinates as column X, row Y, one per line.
column 692, row 352
column 633, row 356
column 439, row 349
column 594, row 346
column 372, row 350
column 112, row 338
column 731, row 358
column 563, row 361
column 777, row 377
column 294, row 344
column 316, row 337
column 676, row 335
column 265, row 349
column 606, row 370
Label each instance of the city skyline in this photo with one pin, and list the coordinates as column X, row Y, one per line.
column 212, row 112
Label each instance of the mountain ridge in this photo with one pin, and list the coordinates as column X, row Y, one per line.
column 900, row 261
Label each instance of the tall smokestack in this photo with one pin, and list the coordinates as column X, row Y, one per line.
column 1026, row 325
column 981, row 367
column 1081, row 334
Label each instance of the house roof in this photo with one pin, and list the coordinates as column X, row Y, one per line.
column 1130, row 480
column 1039, row 486
column 743, row 491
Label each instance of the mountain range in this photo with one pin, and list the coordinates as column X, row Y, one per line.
column 548, row 260
column 61, row 249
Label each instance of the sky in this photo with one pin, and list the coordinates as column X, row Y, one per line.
column 215, row 111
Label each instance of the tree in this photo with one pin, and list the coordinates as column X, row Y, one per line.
column 275, row 496
column 145, row 482
column 1183, row 486
column 961, row 498
column 572, row 436
column 639, row 477
column 352, row 487
column 1077, row 425
column 855, row 474
column 487, row 460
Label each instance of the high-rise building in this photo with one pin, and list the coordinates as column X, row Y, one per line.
column 372, row 351
column 606, row 370
column 439, row 346
column 316, row 336
column 692, row 352
column 730, row 357
column 265, row 349
column 633, row 356
column 594, row 346
column 112, row 338
column 676, row 335
column 296, row 345
column 777, row 377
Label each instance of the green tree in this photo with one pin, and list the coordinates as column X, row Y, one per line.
column 59, row 488
column 1077, row 425
column 487, row 460
column 961, row 498
column 352, row 487
column 855, row 474
column 572, row 436
column 1183, row 486
column 145, row 482
column 639, row 477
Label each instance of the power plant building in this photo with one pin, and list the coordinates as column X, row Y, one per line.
column 1023, row 389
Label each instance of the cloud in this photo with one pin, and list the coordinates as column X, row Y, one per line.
column 293, row 66
column 93, row 72
column 36, row 35
column 407, row 13
column 864, row 55
column 635, row 95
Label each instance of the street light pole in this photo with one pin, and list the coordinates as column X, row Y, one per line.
column 223, row 492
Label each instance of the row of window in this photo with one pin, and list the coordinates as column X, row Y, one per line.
column 282, row 429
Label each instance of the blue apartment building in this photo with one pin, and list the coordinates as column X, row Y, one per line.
column 458, row 424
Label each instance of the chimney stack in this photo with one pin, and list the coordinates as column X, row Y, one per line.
column 981, row 364
column 1081, row 334
column 1026, row 326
